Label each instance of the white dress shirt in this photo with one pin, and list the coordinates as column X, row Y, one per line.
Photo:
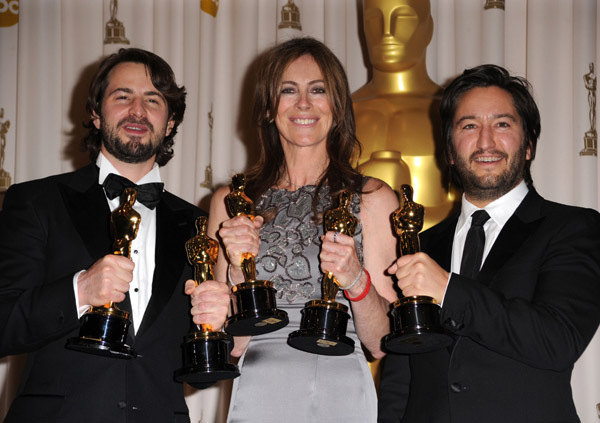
column 142, row 248
column 500, row 210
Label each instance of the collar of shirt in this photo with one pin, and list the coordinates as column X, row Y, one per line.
column 500, row 210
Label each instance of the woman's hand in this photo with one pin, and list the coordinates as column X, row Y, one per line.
column 338, row 256
column 240, row 236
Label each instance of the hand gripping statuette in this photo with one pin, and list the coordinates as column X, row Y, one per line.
column 254, row 304
column 324, row 322
column 104, row 329
column 415, row 320
column 205, row 351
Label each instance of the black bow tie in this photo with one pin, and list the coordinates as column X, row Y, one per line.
column 147, row 194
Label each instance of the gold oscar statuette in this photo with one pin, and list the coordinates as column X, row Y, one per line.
column 206, row 352
column 590, row 139
column 290, row 16
column 104, row 329
column 114, row 30
column 324, row 322
column 397, row 110
column 415, row 320
column 254, row 304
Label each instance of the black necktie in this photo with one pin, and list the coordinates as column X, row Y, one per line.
column 147, row 194
column 473, row 252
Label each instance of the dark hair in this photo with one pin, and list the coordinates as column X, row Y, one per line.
column 492, row 76
column 342, row 145
column 162, row 78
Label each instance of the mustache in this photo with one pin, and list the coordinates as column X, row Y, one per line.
column 490, row 152
column 142, row 121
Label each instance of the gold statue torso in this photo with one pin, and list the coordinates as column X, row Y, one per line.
column 202, row 252
column 125, row 223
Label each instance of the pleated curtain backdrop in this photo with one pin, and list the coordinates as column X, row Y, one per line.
column 48, row 58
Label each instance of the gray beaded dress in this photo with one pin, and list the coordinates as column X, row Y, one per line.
column 279, row 383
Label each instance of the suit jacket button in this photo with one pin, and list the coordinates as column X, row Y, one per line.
column 456, row 387
column 121, row 404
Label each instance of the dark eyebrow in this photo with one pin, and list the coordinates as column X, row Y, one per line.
column 316, row 81
column 130, row 91
column 498, row 116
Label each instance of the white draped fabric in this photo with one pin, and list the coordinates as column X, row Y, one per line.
column 48, row 57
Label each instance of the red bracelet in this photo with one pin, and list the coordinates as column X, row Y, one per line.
column 365, row 292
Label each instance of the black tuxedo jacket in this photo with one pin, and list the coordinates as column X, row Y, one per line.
column 49, row 230
column 518, row 329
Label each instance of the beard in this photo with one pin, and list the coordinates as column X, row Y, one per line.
column 133, row 151
column 490, row 187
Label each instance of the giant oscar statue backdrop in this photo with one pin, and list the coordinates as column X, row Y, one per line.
column 397, row 111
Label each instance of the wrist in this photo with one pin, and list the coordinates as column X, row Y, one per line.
column 234, row 273
column 360, row 291
column 354, row 282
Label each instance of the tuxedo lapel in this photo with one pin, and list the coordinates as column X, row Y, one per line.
column 89, row 211
column 173, row 229
column 519, row 227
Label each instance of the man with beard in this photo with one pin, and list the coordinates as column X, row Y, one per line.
column 55, row 261
column 523, row 309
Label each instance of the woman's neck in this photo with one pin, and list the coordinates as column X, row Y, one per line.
column 301, row 170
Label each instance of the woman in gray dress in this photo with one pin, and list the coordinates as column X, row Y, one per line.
column 303, row 111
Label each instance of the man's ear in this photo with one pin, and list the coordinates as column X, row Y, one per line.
column 528, row 151
column 96, row 119
column 170, row 125
column 449, row 156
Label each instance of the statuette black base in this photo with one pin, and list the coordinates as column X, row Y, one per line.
column 255, row 310
column 323, row 329
column 103, row 332
column 206, row 358
column 416, row 327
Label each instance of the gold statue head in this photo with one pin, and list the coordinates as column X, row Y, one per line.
column 237, row 202
column 397, row 32
column 341, row 219
column 409, row 217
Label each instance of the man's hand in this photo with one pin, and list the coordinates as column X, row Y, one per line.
column 419, row 274
column 210, row 302
column 106, row 281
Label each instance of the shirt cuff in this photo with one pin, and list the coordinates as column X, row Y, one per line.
column 446, row 290
column 81, row 309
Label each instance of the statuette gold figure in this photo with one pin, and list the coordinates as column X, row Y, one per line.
column 324, row 322
column 290, row 16
column 397, row 110
column 114, row 30
column 341, row 220
column 416, row 324
column 591, row 137
column 104, row 329
column 254, row 303
column 205, row 351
